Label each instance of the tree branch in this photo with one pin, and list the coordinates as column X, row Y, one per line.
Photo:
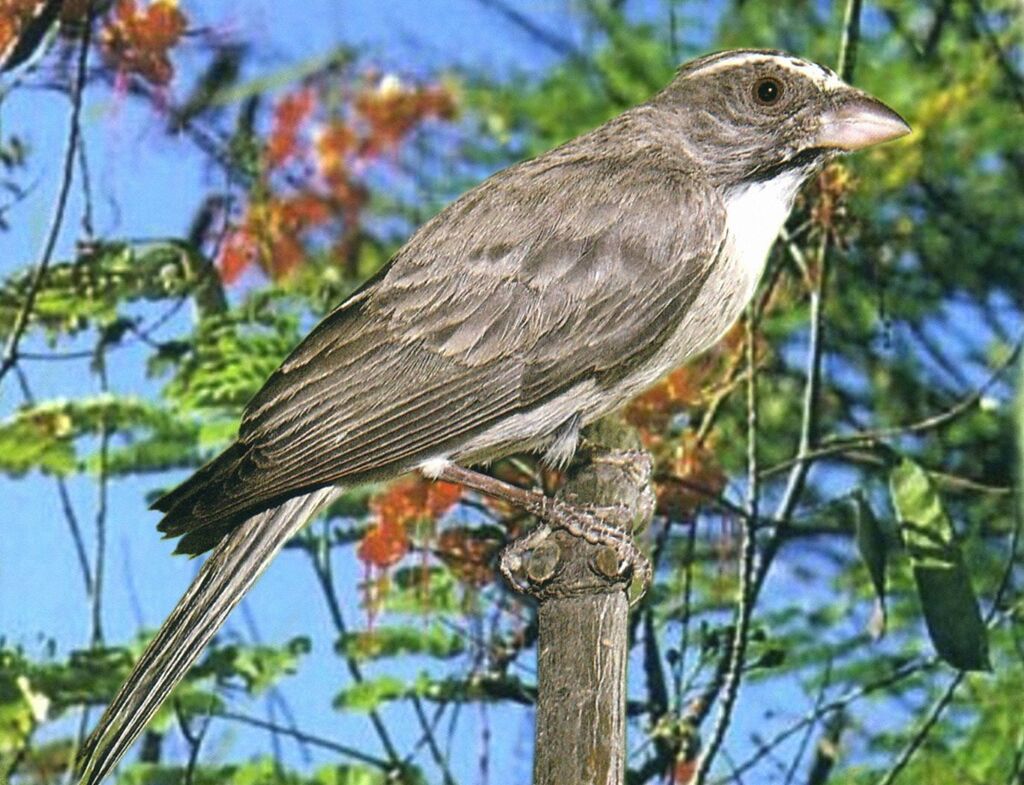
column 582, row 643
column 10, row 355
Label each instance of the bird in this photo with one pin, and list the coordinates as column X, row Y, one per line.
column 540, row 300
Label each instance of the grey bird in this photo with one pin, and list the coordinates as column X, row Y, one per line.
column 539, row 301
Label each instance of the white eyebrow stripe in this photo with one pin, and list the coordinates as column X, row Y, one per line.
column 819, row 73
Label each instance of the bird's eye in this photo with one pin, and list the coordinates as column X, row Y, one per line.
column 767, row 91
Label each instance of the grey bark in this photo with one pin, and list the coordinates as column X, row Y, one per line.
column 583, row 612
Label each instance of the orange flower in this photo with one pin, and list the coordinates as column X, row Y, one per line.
column 392, row 110
column 652, row 410
column 138, row 40
column 383, row 546
column 300, row 212
column 414, row 498
column 697, row 477
column 289, row 115
column 468, row 555
column 402, row 504
column 14, row 15
column 833, row 185
column 276, row 231
column 238, row 252
column 271, row 235
column 683, row 771
column 334, row 144
column 284, row 257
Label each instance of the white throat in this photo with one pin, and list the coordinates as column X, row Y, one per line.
column 755, row 214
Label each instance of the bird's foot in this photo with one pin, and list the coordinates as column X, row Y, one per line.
column 612, row 528
column 531, row 560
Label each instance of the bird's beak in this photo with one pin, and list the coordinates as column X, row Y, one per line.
column 859, row 121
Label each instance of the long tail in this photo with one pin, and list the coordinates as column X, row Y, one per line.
column 228, row 573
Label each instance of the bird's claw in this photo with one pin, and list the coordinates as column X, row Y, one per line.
column 607, row 526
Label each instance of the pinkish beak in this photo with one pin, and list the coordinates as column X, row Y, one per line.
column 859, row 122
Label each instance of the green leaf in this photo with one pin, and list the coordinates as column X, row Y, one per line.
column 228, row 359
column 258, row 667
column 188, row 700
column 435, row 641
column 21, row 709
column 266, row 771
column 947, row 598
column 43, row 436
column 371, row 693
column 38, row 437
column 417, row 589
column 871, row 546
column 89, row 290
column 363, row 775
column 480, row 686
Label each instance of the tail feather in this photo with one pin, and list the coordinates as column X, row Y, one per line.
column 228, row 573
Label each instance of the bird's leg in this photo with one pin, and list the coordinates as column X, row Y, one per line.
column 533, row 502
column 608, row 526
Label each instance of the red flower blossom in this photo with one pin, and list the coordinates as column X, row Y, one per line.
column 138, row 40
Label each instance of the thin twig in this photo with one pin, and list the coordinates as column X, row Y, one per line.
column 735, row 373
column 812, row 388
column 274, row 697
column 851, row 38
column 752, row 578
column 194, row 741
column 842, row 702
column 684, row 637
column 431, row 741
column 922, row 732
column 805, row 741
column 100, row 554
column 551, row 40
column 307, row 738
column 88, row 225
column 1013, row 78
column 321, row 559
column 1018, row 761
column 748, row 553
column 320, row 554
column 76, row 534
column 557, row 44
column 10, row 356
column 839, row 444
column 74, row 528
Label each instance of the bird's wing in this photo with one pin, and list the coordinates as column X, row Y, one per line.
column 572, row 267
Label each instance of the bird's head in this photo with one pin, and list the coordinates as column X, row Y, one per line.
column 753, row 115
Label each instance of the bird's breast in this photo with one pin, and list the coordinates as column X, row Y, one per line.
column 755, row 214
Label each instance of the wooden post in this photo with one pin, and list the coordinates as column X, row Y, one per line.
column 582, row 636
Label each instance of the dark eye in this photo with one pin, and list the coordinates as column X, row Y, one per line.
column 767, row 91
